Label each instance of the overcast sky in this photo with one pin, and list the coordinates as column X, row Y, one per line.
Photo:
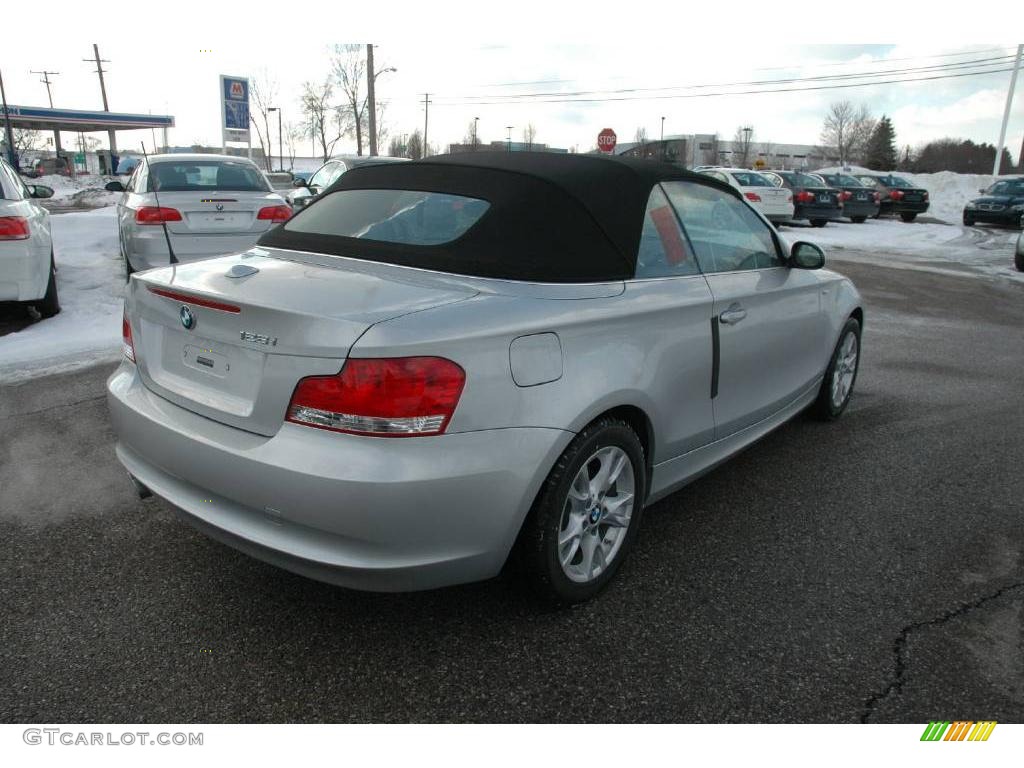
column 153, row 74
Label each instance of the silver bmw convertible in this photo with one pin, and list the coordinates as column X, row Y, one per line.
column 440, row 366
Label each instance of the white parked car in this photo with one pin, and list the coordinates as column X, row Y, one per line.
column 27, row 271
column 776, row 204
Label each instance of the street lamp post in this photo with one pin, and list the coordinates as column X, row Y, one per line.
column 746, row 144
column 280, row 141
column 509, row 128
column 476, row 134
column 663, row 137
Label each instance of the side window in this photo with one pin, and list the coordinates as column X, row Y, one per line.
column 726, row 233
column 14, row 189
column 130, row 185
column 664, row 251
column 325, row 176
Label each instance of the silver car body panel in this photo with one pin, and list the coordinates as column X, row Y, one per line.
column 24, row 264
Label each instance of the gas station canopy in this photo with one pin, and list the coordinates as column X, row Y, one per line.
column 44, row 119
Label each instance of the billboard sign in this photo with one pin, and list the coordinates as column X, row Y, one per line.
column 234, row 108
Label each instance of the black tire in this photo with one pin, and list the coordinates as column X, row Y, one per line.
column 537, row 546
column 128, row 270
column 1018, row 260
column 823, row 408
column 968, row 221
column 858, row 219
column 49, row 305
column 819, row 222
column 908, row 216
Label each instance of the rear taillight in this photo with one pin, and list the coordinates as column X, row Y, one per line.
column 803, row 196
column 896, row 195
column 924, row 195
column 844, row 196
column 127, row 346
column 382, row 397
column 150, row 214
column 13, row 228
column 878, row 197
column 752, row 197
column 275, row 213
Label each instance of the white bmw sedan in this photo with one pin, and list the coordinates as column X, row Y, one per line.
column 774, row 203
column 179, row 208
column 27, row 271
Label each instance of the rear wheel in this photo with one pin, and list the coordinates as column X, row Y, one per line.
column 908, row 216
column 1018, row 259
column 49, row 305
column 858, row 219
column 841, row 375
column 819, row 222
column 586, row 515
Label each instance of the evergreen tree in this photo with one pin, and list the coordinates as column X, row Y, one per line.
column 880, row 153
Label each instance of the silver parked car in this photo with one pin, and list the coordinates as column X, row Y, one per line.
column 442, row 363
column 203, row 205
column 28, row 273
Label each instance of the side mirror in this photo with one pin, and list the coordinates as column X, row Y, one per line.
column 41, row 191
column 805, row 255
column 299, row 183
column 114, row 186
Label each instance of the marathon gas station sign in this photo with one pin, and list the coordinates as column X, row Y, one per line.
column 234, row 108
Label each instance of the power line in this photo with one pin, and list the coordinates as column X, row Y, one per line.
column 977, row 63
column 1004, row 51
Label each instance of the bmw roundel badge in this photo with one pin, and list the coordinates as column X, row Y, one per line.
column 187, row 318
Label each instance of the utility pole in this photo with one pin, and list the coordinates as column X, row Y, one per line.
column 111, row 134
column 426, row 115
column 1006, row 112
column 662, row 137
column 12, row 156
column 371, row 99
column 476, row 133
column 509, row 144
column 45, row 79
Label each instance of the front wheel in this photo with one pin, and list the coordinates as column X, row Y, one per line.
column 968, row 221
column 858, row 219
column 840, row 376
column 908, row 216
column 586, row 515
column 1018, row 260
column 819, row 222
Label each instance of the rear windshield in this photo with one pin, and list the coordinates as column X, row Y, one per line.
column 206, row 176
column 896, row 181
column 391, row 216
column 841, row 180
column 803, row 180
column 751, row 180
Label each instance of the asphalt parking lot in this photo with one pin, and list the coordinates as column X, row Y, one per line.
column 868, row 570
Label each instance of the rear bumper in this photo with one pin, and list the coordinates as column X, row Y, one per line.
column 811, row 212
column 367, row 513
column 146, row 247
column 905, row 207
column 853, row 208
column 23, row 274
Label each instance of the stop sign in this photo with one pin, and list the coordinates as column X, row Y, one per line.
column 606, row 140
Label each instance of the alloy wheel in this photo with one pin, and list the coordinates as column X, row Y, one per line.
column 845, row 369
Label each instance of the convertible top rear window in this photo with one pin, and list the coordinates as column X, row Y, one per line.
column 402, row 216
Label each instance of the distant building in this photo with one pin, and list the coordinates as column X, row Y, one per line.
column 691, row 150
column 504, row 146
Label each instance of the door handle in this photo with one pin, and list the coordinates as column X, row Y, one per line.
column 733, row 315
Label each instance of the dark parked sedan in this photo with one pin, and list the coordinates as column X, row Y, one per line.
column 1001, row 203
column 859, row 201
column 898, row 196
column 812, row 199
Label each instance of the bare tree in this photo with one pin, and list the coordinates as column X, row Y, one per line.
column 348, row 66
column 742, row 146
column 414, row 148
column 26, row 140
column 323, row 122
column 382, row 129
column 640, row 139
column 263, row 90
column 397, row 147
column 471, row 140
column 293, row 135
column 529, row 134
column 846, row 130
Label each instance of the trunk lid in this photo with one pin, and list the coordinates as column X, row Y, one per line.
column 233, row 348
column 218, row 213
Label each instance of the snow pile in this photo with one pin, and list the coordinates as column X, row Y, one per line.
column 948, row 192
column 90, row 282
column 84, row 191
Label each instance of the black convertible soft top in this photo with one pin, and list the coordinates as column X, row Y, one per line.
column 552, row 217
